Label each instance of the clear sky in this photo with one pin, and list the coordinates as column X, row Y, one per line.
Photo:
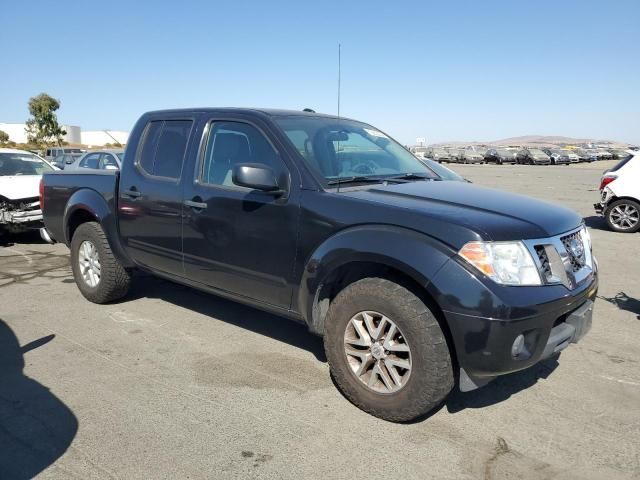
column 447, row 70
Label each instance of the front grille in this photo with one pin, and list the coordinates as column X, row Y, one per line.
column 545, row 266
column 565, row 259
column 574, row 246
column 20, row 205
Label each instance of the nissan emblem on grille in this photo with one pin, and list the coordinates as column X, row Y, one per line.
column 574, row 246
column 576, row 249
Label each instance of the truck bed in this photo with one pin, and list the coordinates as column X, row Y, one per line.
column 60, row 186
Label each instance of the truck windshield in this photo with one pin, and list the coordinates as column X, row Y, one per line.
column 22, row 164
column 337, row 149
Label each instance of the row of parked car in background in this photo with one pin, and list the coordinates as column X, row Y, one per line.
column 20, row 173
column 516, row 155
column 66, row 158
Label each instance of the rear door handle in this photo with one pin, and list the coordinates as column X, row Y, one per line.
column 195, row 205
column 132, row 193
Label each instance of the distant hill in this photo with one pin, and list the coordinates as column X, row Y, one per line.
column 549, row 140
column 539, row 141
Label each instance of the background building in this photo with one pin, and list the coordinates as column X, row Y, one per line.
column 75, row 136
column 18, row 133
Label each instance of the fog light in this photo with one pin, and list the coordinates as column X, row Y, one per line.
column 518, row 347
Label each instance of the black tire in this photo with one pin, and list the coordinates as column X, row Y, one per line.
column 621, row 203
column 431, row 377
column 114, row 279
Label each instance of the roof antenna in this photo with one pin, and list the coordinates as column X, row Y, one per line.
column 338, row 145
column 339, row 75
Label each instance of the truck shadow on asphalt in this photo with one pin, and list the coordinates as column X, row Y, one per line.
column 228, row 311
column 624, row 302
column 597, row 222
column 297, row 335
column 36, row 428
column 502, row 388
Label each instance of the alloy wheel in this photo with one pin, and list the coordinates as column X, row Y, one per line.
column 89, row 262
column 624, row 216
column 377, row 352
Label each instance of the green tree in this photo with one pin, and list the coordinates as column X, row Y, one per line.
column 43, row 127
column 4, row 137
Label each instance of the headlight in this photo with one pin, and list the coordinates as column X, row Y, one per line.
column 586, row 237
column 507, row 263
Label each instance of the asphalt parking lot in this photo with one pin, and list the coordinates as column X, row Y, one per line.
column 172, row 383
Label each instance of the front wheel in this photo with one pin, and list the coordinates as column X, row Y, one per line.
column 386, row 350
column 98, row 274
column 623, row 216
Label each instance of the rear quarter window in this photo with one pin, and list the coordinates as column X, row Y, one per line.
column 621, row 163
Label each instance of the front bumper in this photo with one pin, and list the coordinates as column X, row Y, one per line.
column 487, row 320
column 20, row 219
column 545, row 336
column 605, row 198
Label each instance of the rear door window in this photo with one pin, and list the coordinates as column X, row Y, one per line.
column 163, row 148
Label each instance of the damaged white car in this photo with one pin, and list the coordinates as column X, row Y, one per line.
column 20, row 174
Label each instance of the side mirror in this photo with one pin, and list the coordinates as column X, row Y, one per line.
column 255, row 175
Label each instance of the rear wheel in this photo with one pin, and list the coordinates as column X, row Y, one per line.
column 386, row 350
column 623, row 216
column 98, row 274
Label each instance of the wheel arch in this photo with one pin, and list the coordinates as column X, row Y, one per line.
column 87, row 205
column 615, row 198
column 396, row 253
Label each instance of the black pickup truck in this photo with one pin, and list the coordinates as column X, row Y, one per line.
column 415, row 283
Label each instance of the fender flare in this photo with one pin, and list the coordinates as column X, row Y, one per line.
column 413, row 253
column 91, row 202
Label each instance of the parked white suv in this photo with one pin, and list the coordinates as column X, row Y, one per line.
column 620, row 195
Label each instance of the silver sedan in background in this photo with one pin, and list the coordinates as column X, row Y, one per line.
column 108, row 159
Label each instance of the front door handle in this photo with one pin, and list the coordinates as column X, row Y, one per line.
column 196, row 204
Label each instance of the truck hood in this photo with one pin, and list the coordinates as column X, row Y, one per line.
column 492, row 214
column 19, row 186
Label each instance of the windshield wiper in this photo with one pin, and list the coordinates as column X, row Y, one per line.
column 412, row 176
column 356, row 179
column 392, row 178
